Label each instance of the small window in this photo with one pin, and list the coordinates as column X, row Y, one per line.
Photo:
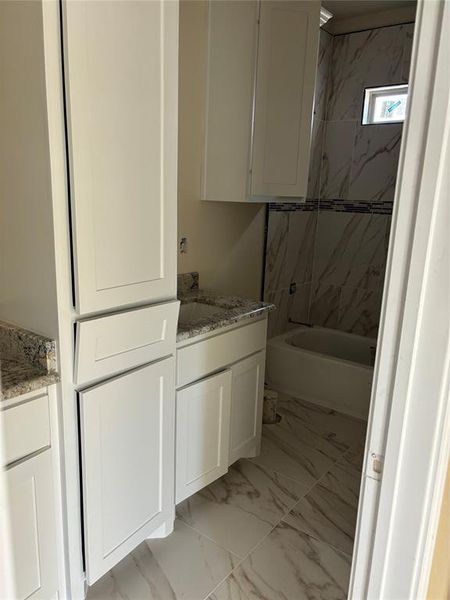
column 385, row 104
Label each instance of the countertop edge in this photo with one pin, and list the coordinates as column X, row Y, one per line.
column 223, row 322
column 29, row 385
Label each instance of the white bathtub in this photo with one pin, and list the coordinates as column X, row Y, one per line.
column 324, row 366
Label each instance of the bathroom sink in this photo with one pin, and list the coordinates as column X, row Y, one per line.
column 193, row 311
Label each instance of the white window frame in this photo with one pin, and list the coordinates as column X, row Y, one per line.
column 371, row 95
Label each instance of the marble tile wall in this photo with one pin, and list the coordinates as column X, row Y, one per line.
column 359, row 162
column 349, row 266
column 351, row 188
column 289, row 266
column 292, row 227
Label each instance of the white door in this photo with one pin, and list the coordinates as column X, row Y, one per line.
column 286, row 71
column 127, row 441
column 121, row 68
column 32, row 515
column 203, row 425
column 247, row 394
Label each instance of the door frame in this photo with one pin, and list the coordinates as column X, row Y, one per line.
column 399, row 508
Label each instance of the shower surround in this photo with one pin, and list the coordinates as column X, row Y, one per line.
column 326, row 258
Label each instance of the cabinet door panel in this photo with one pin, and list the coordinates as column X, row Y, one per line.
column 232, row 35
column 203, row 425
column 127, row 430
column 287, row 61
column 33, row 531
column 246, row 406
column 121, row 83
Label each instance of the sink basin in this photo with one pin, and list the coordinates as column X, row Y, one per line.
column 192, row 311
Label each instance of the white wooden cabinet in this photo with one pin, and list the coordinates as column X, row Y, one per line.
column 262, row 60
column 219, row 417
column 121, row 79
column 203, row 425
column 247, row 394
column 33, row 527
column 286, row 73
column 127, row 441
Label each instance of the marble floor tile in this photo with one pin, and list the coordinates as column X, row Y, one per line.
column 344, row 478
column 186, row 565
column 193, row 564
column 325, row 516
column 229, row 590
column 341, row 430
column 304, row 458
column 354, row 458
column 239, row 510
column 291, row 565
column 291, row 423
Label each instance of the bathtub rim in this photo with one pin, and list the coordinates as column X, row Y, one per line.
column 281, row 341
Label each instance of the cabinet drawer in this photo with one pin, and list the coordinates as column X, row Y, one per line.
column 121, row 341
column 26, row 428
column 202, row 358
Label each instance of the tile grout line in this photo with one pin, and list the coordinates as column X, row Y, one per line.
column 281, row 520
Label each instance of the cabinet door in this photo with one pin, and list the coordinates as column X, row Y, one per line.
column 33, row 529
column 232, row 44
column 121, row 67
column 286, row 71
column 203, row 425
column 247, row 394
column 127, row 440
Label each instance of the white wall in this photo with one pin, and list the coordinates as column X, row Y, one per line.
column 225, row 241
column 27, row 267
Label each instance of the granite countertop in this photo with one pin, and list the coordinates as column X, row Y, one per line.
column 231, row 309
column 27, row 361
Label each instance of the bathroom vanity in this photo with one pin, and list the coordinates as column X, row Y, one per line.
column 221, row 349
column 30, row 456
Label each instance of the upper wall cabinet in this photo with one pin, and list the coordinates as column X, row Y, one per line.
column 261, row 69
column 121, row 77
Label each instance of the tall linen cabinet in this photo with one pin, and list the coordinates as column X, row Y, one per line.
column 120, row 78
column 110, row 78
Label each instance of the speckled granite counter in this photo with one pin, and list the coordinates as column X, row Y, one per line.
column 27, row 361
column 231, row 309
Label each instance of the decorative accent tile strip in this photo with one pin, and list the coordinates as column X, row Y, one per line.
column 356, row 206
column 336, row 205
column 308, row 205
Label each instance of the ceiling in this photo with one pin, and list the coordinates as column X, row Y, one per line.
column 353, row 8
column 354, row 15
